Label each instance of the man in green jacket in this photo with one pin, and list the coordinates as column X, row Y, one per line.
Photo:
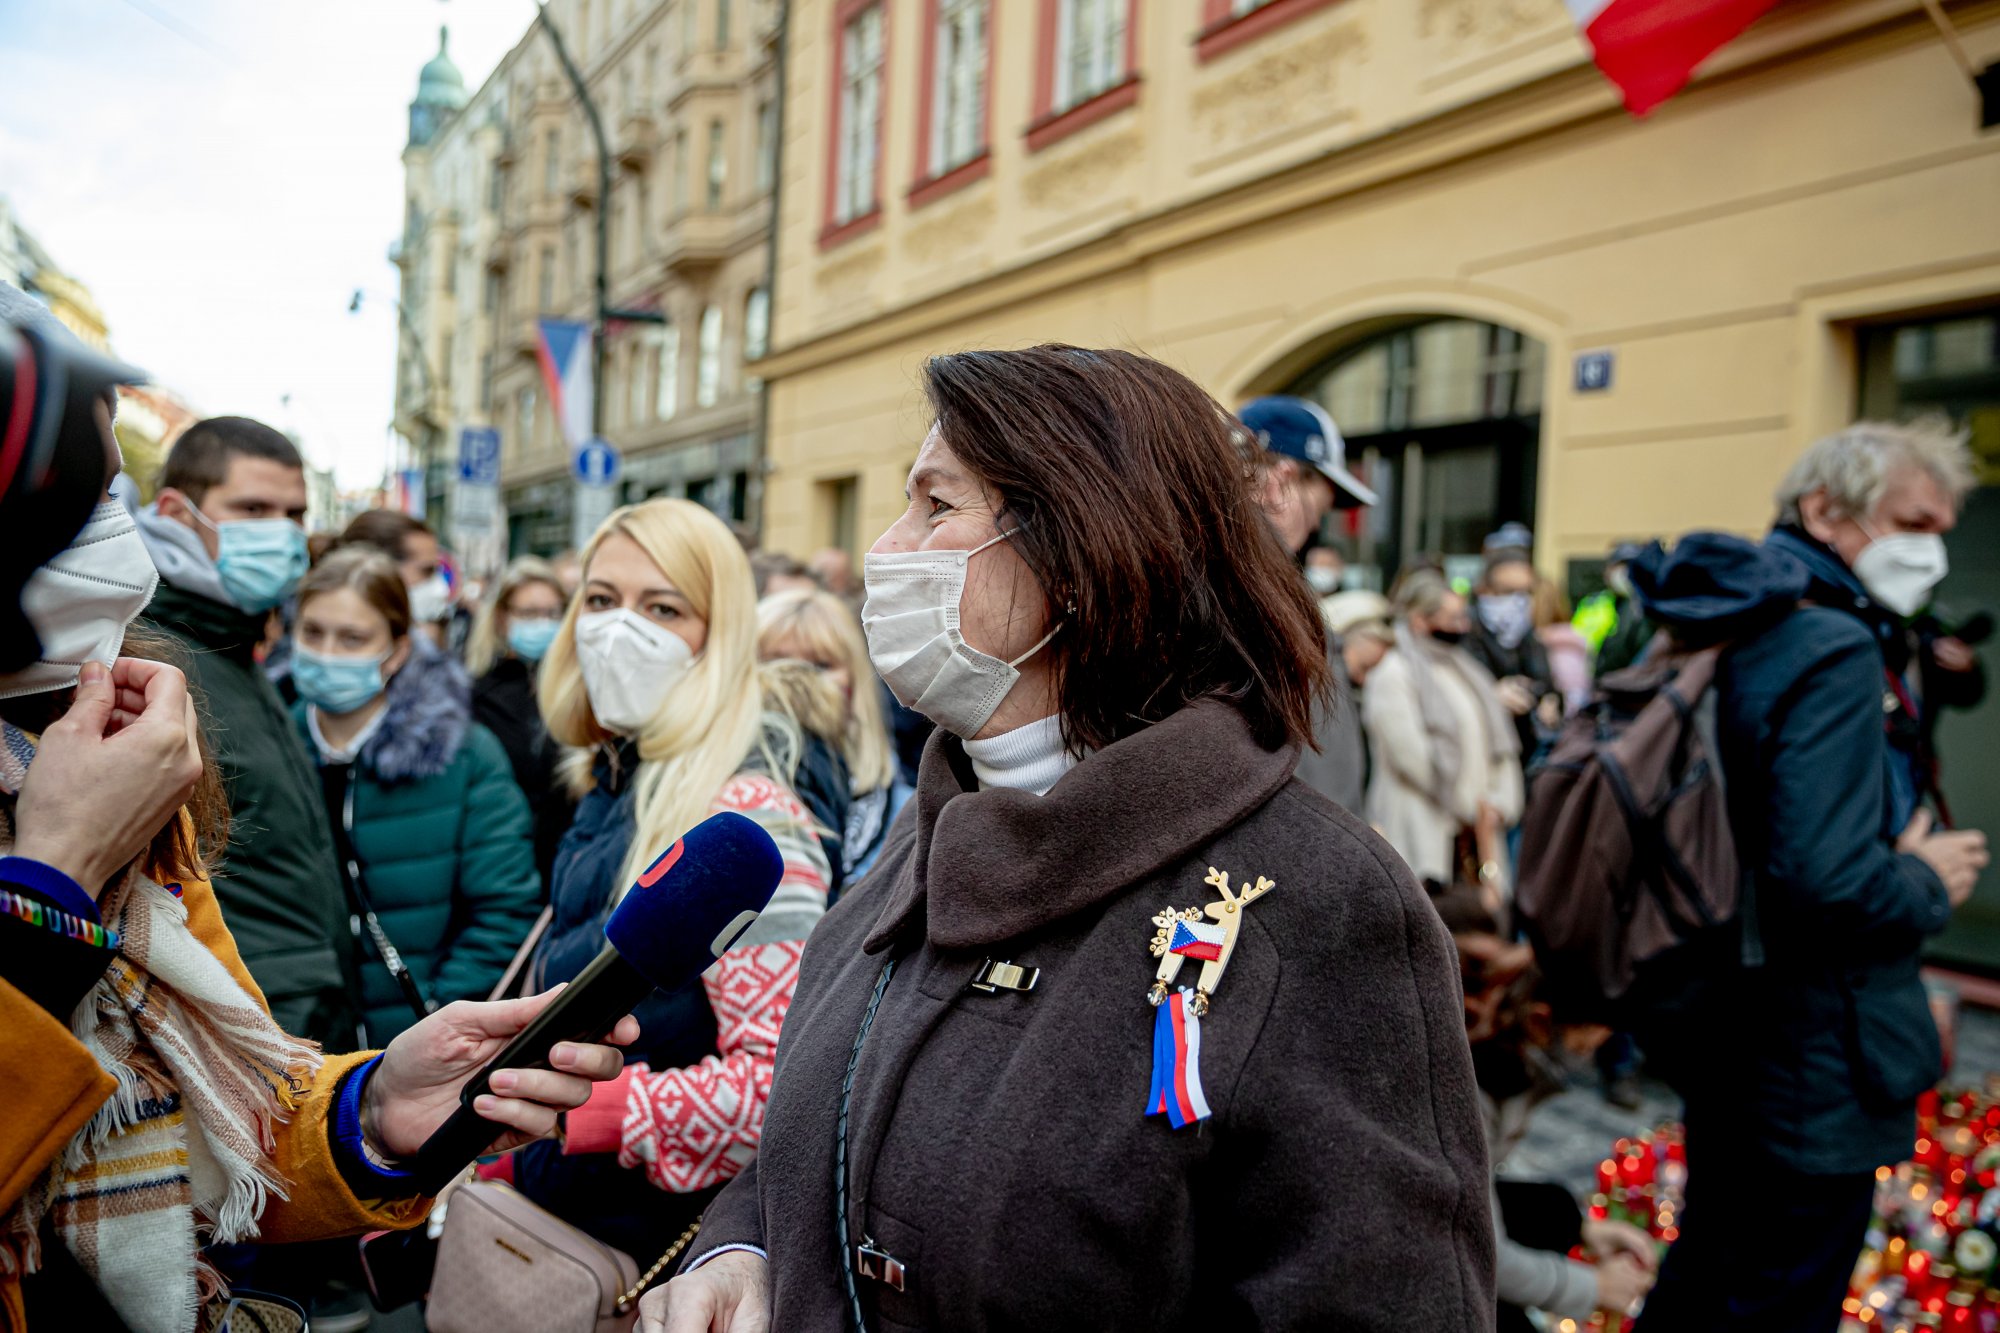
column 226, row 534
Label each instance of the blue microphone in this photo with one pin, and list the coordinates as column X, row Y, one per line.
column 683, row 912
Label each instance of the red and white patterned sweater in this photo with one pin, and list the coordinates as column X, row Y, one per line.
column 698, row 1126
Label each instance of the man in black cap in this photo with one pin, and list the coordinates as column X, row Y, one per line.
column 1302, row 478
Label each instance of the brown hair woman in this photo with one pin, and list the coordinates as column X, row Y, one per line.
column 432, row 832
column 1128, row 1029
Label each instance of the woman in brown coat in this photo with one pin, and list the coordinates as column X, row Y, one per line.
column 1128, row 1029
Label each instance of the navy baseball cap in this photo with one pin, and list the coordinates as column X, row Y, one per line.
column 1300, row 428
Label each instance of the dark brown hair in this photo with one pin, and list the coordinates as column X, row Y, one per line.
column 191, row 845
column 383, row 529
column 369, row 573
column 200, row 458
column 1129, row 495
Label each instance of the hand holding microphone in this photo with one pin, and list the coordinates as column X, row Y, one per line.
column 685, row 911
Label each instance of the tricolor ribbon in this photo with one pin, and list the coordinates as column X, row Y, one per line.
column 1176, row 1092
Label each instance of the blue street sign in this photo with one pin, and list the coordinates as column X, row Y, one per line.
column 595, row 462
column 479, row 456
column 1593, row 372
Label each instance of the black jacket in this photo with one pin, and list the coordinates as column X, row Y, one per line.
column 1829, row 1042
column 279, row 884
column 503, row 701
column 1526, row 659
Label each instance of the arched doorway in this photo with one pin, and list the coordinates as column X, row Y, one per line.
column 1442, row 416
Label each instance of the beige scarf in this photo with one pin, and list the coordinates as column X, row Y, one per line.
column 180, row 1156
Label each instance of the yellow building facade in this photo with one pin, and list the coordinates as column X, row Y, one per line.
column 1518, row 301
column 1432, row 214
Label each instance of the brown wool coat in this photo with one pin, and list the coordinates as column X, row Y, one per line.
column 997, row 1145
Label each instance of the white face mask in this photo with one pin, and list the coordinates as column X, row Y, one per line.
column 430, row 601
column 911, row 620
column 630, row 666
column 1900, row 570
column 81, row 601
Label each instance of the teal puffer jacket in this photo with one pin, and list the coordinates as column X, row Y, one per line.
column 443, row 841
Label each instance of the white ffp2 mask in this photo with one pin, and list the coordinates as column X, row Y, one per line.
column 1900, row 570
column 81, row 601
column 911, row 619
column 630, row 666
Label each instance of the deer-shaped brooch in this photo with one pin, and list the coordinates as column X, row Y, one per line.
column 1182, row 934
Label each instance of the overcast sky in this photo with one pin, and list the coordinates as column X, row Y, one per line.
column 223, row 174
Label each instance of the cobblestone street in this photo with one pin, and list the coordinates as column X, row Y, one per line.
column 1572, row 1132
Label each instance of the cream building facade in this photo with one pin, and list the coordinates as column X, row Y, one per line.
column 1518, row 301
column 501, row 231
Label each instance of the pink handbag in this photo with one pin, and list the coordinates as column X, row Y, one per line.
column 506, row 1265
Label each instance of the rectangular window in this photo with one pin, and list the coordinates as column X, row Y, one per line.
column 524, row 419
column 545, row 292
column 1090, row 49
column 958, row 88
column 708, row 359
column 718, row 166
column 838, row 517
column 767, row 144
column 551, row 162
column 667, row 391
column 858, row 125
column 451, row 274
column 486, row 381
column 680, row 170
column 756, row 323
column 445, row 359
column 721, row 25
column 635, row 384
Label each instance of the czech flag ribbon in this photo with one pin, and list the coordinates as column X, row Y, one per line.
column 1176, row 1092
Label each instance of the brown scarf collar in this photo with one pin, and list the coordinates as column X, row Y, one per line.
column 990, row 866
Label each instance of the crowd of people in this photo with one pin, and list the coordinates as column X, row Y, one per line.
column 278, row 802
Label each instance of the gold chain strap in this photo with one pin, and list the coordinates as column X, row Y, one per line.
column 646, row 1278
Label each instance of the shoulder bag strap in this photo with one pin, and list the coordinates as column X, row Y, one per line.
column 521, row 955
column 350, row 873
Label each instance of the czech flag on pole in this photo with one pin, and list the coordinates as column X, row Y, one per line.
column 1650, row 48
column 564, row 352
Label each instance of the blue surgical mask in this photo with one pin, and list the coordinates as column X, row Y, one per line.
column 336, row 684
column 259, row 560
column 530, row 639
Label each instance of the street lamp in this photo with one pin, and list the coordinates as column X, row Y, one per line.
column 604, row 311
column 427, row 415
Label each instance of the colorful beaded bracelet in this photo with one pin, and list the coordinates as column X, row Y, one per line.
column 38, row 913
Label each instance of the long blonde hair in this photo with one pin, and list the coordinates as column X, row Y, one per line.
column 826, row 627
column 485, row 643
column 716, row 717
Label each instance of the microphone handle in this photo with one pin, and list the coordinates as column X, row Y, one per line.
column 588, row 1008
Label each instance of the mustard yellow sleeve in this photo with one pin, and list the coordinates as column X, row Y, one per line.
column 54, row 1087
column 320, row 1204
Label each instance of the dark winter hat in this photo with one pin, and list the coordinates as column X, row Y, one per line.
column 1300, row 428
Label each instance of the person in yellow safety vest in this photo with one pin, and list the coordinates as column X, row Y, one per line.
column 1611, row 622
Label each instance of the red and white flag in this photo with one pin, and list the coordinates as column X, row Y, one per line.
column 1650, row 48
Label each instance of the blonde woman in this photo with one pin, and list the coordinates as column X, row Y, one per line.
column 510, row 636
column 655, row 669
column 820, row 630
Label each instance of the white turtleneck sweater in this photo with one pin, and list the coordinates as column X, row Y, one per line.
column 1029, row 758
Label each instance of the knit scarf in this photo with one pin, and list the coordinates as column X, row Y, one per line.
column 180, row 1156
column 1501, row 742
